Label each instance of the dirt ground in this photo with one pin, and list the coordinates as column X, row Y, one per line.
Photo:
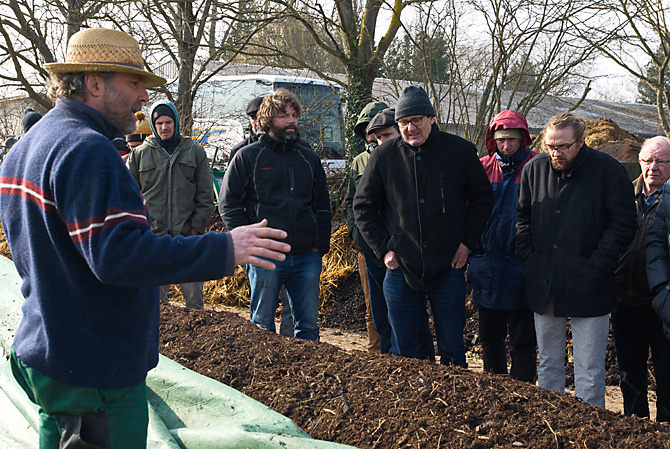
column 344, row 326
column 374, row 401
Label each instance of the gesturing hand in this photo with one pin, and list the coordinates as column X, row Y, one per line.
column 253, row 242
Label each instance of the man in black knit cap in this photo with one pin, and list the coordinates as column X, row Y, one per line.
column 422, row 203
column 174, row 178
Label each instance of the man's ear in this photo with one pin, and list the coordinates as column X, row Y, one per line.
column 94, row 84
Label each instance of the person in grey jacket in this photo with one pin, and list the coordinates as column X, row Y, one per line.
column 174, row 178
column 575, row 215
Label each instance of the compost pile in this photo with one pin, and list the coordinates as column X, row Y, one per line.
column 605, row 135
column 374, row 401
column 605, row 130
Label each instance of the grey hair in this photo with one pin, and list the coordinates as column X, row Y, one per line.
column 655, row 140
column 71, row 84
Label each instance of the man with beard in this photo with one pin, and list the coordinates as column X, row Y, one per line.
column 575, row 215
column 174, row 178
column 79, row 233
column 280, row 178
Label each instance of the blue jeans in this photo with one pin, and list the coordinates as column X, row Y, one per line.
column 300, row 274
column 378, row 307
column 406, row 306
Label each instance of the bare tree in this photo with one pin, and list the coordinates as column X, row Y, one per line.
column 345, row 30
column 34, row 33
column 637, row 37
column 533, row 52
column 523, row 52
column 188, row 36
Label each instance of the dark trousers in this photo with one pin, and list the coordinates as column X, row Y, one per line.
column 493, row 328
column 407, row 315
column 636, row 330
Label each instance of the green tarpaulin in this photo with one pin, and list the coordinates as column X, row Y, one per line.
column 186, row 410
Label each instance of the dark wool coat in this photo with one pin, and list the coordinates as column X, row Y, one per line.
column 570, row 232
column 422, row 203
column 631, row 273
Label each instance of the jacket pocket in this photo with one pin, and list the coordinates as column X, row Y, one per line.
column 187, row 168
column 147, row 172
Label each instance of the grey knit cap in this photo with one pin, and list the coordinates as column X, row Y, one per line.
column 413, row 101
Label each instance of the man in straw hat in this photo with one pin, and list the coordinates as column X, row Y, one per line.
column 79, row 232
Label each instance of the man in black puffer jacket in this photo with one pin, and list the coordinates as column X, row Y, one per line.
column 422, row 203
column 280, row 178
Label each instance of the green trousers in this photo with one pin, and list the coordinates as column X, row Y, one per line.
column 74, row 417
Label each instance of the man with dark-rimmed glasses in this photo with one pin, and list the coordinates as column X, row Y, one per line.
column 575, row 215
column 421, row 204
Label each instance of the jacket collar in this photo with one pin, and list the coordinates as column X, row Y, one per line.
column 280, row 146
column 153, row 142
column 99, row 121
column 434, row 131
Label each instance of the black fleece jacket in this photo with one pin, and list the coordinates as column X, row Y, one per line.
column 284, row 182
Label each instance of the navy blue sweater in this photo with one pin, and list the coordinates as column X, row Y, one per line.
column 78, row 230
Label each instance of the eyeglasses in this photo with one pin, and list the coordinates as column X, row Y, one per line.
column 659, row 162
column 560, row 148
column 416, row 121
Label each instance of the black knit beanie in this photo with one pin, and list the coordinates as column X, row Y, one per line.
column 161, row 110
column 413, row 101
column 30, row 117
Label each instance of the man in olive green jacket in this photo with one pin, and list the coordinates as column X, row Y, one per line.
column 174, row 178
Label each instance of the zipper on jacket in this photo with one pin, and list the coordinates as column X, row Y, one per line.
column 291, row 181
column 444, row 208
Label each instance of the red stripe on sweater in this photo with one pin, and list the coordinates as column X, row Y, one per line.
column 27, row 190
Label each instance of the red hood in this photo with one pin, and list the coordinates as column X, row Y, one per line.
column 506, row 120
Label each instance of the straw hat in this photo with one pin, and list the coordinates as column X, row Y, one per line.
column 104, row 50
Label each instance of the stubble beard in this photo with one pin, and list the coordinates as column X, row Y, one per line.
column 562, row 166
column 116, row 108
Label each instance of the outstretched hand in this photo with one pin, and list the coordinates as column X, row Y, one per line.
column 253, row 243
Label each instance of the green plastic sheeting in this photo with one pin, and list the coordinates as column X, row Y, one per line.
column 186, row 410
